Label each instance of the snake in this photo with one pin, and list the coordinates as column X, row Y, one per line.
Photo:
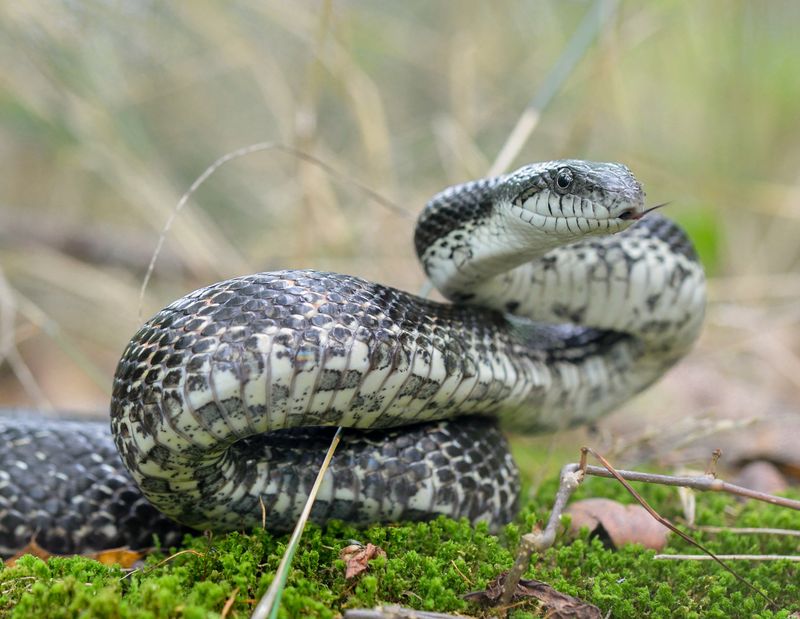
column 564, row 296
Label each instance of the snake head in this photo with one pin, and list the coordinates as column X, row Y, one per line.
column 571, row 198
column 474, row 231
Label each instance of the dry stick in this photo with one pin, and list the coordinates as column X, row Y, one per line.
column 396, row 612
column 537, row 540
column 229, row 603
column 597, row 16
column 148, row 569
column 671, row 526
column 747, row 530
column 730, row 557
column 703, row 483
column 573, row 474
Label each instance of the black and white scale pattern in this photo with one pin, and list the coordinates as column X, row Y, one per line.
column 63, row 486
column 226, row 400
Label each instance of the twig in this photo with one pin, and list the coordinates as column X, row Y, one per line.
column 573, row 474
column 711, row 471
column 706, row 484
column 616, row 474
column 269, row 604
column 396, row 612
column 460, row 573
column 538, row 541
column 747, row 530
column 229, row 603
column 147, row 570
column 730, row 557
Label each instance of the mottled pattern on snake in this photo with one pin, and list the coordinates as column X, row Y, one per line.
column 563, row 310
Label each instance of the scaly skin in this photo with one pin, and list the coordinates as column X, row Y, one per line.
column 563, row 311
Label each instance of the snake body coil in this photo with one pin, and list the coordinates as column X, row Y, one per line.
column 226, row 399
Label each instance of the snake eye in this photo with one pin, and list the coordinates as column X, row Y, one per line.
column 563, row 179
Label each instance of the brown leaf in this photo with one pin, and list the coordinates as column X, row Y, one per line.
column 559, row 605
column 123, row 556
column 31, row 549
column 618, row 524
column 357, row 558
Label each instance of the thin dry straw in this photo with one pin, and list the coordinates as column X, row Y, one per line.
column 270, row 603
column 241, row 152
column 795, row 558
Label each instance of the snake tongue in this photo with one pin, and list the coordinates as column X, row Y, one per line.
column 634, row 215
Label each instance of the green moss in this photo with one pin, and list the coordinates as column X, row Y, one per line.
column 428, row 566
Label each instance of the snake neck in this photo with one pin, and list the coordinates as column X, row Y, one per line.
column 465, row 238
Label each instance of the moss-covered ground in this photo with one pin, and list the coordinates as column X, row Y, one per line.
column 428, row 566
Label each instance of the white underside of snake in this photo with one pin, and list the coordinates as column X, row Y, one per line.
column 566, row 302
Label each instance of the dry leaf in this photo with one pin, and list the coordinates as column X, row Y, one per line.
column 112, row 556
column 618, row 524
column 559, row 605
column 123, row 556
column 31, row 549
column 357, row 558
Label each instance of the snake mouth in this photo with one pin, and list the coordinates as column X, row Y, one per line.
column 568, row 224
column 633, row 214
column 539, row 209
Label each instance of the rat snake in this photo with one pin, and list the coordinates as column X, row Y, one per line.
column 566, row 302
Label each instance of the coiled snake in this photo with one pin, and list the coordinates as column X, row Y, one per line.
column 566, row 303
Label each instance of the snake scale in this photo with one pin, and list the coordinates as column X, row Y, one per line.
column 566, row 301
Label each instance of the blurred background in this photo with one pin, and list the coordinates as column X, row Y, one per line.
column 109, row 110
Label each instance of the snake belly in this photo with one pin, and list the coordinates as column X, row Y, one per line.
column 566, row 302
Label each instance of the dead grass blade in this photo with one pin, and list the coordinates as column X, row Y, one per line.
column 236, row 154
column 719, row 558
column 270, row 603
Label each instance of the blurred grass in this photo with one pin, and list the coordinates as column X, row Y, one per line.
column 109, row 110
